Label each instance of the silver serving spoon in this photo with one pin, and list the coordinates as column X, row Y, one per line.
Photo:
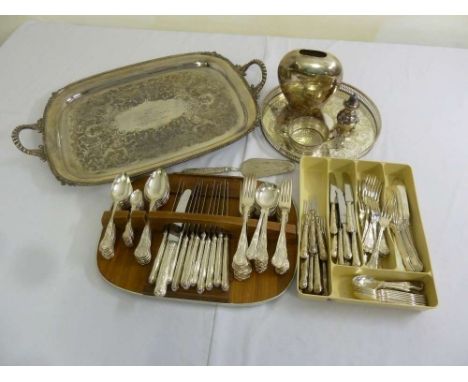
column 266, row 197
column 120, row 190
column 136, row 203
column 156, row 192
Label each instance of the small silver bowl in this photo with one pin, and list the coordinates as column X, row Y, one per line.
column 307, row 133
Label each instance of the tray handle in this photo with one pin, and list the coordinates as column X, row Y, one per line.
column 255, row 88
column 39, row 152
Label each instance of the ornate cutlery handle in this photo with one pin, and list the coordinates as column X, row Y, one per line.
column 209, row 170
column 333, row 225
column 240, row 255
column 325, row 278
column 374, row 260
column 304, row 249
column 211, row 260
column 355, row 250
column 218, row 262
column 312, row 237
column 204, row 266
column 128, row 235
column 348, row 255
column 412, row 252
column 163, row 275
column 350, row 226
column 252, row 250
column 186, row 280
column 143, row 250
column 334, row 247
column 106, row 246
column 225, row 271
column 310, row 281
column 197, row 256
column 157, row 260
column 321, row 244
column 304, row 273
column 317, row 278
column 173, row 262
column 262, row 252
column 280, row 257
column 180, row 264
column 340, row 247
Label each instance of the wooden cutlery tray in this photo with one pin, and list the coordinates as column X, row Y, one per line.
column 124, row 272
column 314, row 183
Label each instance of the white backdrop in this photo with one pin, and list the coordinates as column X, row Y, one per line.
column 56, row 308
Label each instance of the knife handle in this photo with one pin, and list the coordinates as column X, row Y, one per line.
column 317, row 278
column 303, row 274
column 355, row 250
column 209, row 170
column 225, row 269
column 218, row 262
column 197, row 258
column 157, row 260
column 350, row 225
column 211, row 260
column 185, row 281
column 312, row 237
column 180, row 264
column 340, row 247
column 163, row 274
column 334, row 247
column 333, row 225
column 204, row 265
column 347, row 254
column 310, row 279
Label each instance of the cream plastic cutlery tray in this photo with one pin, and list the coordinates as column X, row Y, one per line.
column 315, row 177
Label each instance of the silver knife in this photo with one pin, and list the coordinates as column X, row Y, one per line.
column 348, row 255
column 172, row 248
column 351, row 224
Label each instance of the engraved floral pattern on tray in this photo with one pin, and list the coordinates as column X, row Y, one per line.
column 150, row 118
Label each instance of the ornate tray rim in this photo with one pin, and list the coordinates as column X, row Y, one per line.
column 41, row 125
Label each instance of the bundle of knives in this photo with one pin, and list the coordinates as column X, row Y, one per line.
column 190, row 254
column 344, row 249
column 313, row 270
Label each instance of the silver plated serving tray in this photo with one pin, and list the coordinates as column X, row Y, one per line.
column 147, row 115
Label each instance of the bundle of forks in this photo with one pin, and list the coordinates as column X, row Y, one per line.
column 394, row 215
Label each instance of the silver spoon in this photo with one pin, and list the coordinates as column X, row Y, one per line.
column 136, row 203
column 266, row 197
column 120, row 190
column 157, row 193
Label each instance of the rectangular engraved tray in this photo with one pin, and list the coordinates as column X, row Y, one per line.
column 147, row 115
column 315, row 175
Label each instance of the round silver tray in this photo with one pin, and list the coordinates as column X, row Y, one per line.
column 351, row 146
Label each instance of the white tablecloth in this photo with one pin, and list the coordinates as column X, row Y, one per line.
column 55, row 306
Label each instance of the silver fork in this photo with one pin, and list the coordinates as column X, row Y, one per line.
column 247, row 200
column 384, row 221
column 280, row 258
